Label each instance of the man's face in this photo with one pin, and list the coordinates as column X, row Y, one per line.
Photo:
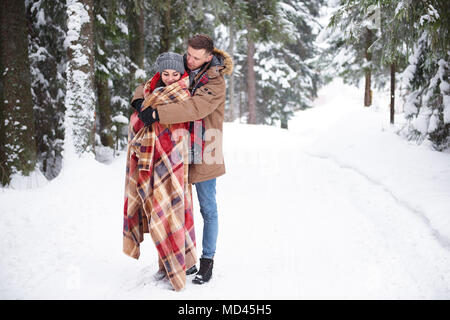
column 196, row 58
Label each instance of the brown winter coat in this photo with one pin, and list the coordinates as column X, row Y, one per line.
column 208, row 103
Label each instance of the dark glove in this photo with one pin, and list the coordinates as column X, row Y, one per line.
column 137, row 104
column 148, row 116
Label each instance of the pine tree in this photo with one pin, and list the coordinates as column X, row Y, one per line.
column 17, row 139
column 110, row 32
column 231, row 14
column 274, row 69
column 352, row 33
column 390, row 44
column 170, row 23
column 427, row 106
column 420, row 27
column 118, row 66
column 286, row 66
column 47, row 23
column 261, row 24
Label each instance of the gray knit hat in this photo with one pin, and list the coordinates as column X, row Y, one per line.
column 170, row 60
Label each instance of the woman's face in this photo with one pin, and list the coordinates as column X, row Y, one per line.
column 170, row 76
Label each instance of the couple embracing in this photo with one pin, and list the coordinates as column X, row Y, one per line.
column 174, row 142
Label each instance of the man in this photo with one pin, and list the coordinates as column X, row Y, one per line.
column 206, row 66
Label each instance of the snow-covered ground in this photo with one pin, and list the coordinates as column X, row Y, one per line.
column 336, row 207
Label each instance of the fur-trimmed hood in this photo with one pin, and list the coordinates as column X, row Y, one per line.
column 222, row 58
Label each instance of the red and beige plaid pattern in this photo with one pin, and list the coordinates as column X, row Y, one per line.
column 158, row 198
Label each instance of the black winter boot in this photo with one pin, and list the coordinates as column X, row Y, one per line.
column 205, row 273
column 191, row 270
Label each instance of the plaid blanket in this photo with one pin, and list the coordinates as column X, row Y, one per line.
column 158, row 198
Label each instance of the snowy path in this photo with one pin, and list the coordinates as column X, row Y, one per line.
column 342, row 236
column 297, row 221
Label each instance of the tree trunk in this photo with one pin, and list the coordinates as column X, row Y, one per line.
column 101, row 80
column 135, row 13
column 17, row 131
column 241, row 101
column 165, row 27
column 368, row 71
column 284, row 121
column 80, row 94
column 104, row 111
column 231, row 82
column 392, row 92
column 251, row 81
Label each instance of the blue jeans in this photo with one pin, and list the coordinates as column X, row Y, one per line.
column 206, row 192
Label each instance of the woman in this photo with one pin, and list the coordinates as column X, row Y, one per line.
column 158, row 198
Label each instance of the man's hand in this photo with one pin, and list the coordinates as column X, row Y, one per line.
column 148, row 116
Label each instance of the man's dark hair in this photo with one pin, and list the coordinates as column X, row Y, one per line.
column 201, row 41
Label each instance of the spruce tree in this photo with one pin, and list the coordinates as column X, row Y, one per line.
column 110, row 32
column 231, row 14
column 427, row 106
column 351, row 35
column 261, row 25
column 170, row 23
column 47, row 30
column 286, row 63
